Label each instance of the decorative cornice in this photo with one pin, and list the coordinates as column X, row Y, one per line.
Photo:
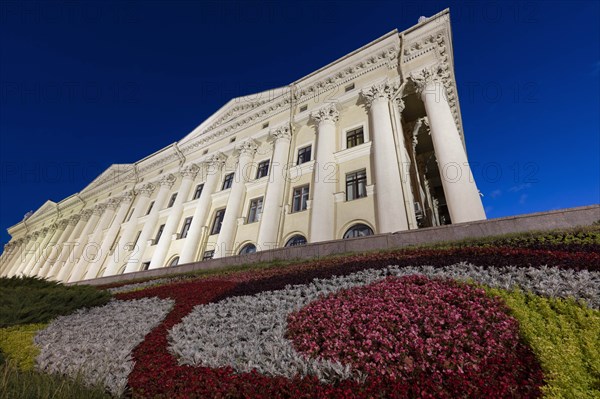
column 147, row 189
column 167, row 180
column 247, row 147
column 190, row 171
column 283, row 132
column 327, row 113
column 380, row 91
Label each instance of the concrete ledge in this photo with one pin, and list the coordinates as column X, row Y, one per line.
column 559, row 219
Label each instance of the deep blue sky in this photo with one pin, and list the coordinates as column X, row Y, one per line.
column 87, row 85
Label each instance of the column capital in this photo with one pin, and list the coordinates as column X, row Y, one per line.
column 127, row 197
column 86, row 214
column 73, row 220
column 62, row 224
column 247, row 147
column 380, row 91
column 283, row 132
column 216, row 160
column 99, row 209
column 36, row 234
column 190, row 171
column 426, row 76
column 327, row 113
column 167, row 180
column 50, row 229
column 147, row 189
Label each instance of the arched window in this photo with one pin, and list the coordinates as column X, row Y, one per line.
column 296, row 241
column 174, row 262
column 248, row 249
column 358, row 230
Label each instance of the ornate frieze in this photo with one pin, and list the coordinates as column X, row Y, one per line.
column 327, row 113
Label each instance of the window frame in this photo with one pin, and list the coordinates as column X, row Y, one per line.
column 303, row 149
column 355, row 227
column 243, row 250
column 158, row 235
column 150, row 208
column 303, row 202
column 185, row 228
column 255, row 205
column 198, row 191
column 227, row 180
column 207, row 255
column 352, row 134
column 172, row 200
column 289, row 244
column 263, row 169
column 218, row 212
column 356, row 184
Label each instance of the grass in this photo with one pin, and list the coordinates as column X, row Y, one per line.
column 28, row 300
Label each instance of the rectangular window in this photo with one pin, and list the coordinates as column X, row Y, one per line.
column 303, row 108
column 186, row 227
column 304, row 155
column 145, row 266
column 227, row 181
column 158, row 234
column 150, row 208
column 300, row 198
column 130, row 214
column 172, row 200
column 349, row 87
column 263, row 169
column 208, row 255
column 134, row 243
column 355, row 137
column 356, row 185
column 198, row 191
column 255, row 211
column 216, row 227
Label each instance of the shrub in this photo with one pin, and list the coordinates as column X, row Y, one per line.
column 17, row 344
column 27, row 300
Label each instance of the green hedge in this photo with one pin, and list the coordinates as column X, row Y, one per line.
column 565, row 336
column 28, row 300
column 16, row 343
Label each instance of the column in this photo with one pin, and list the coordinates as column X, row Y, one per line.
column 14, row 262
column 272, row 209
column 162, row 249
column 52, row 265
column 69, row 256
column 166, row 183
column 192, row 241
column 43, row 238
column 462, row 196
column 10, row 252
column 389, row 197
column 48, row 254
column 111, row 235
column 245, row 151
column 125, row 244
column 107, row 211
column 322, row 217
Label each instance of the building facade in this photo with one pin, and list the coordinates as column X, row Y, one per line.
column 371, row 143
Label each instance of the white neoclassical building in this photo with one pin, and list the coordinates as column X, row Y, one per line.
column 371, row 143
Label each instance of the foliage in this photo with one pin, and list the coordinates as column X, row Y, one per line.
column 15, row 383
column 28, row 300
column 16, row 343
column 565, row 336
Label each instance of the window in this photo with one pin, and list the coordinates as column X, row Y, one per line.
column 172, row 200
column 208, row 255
column 145, row 266
column 263, row 169
column 248, row 249
column 137, row 237
column 174, row 262
column 265, row 125
column 227, row 181
column 186, row 227
column 304, row 155
column 231, row 140
column 198, row 191
column 295, row 241
column 349, row 87
column 150, row 208
column 355, row 137
column 358, row 230
column 303, row 108
column 130, row 214
column 300, row 198
column 356, row 185
column 158, row 234
column 205, row 152
column 255, row 211
column 216, row 227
